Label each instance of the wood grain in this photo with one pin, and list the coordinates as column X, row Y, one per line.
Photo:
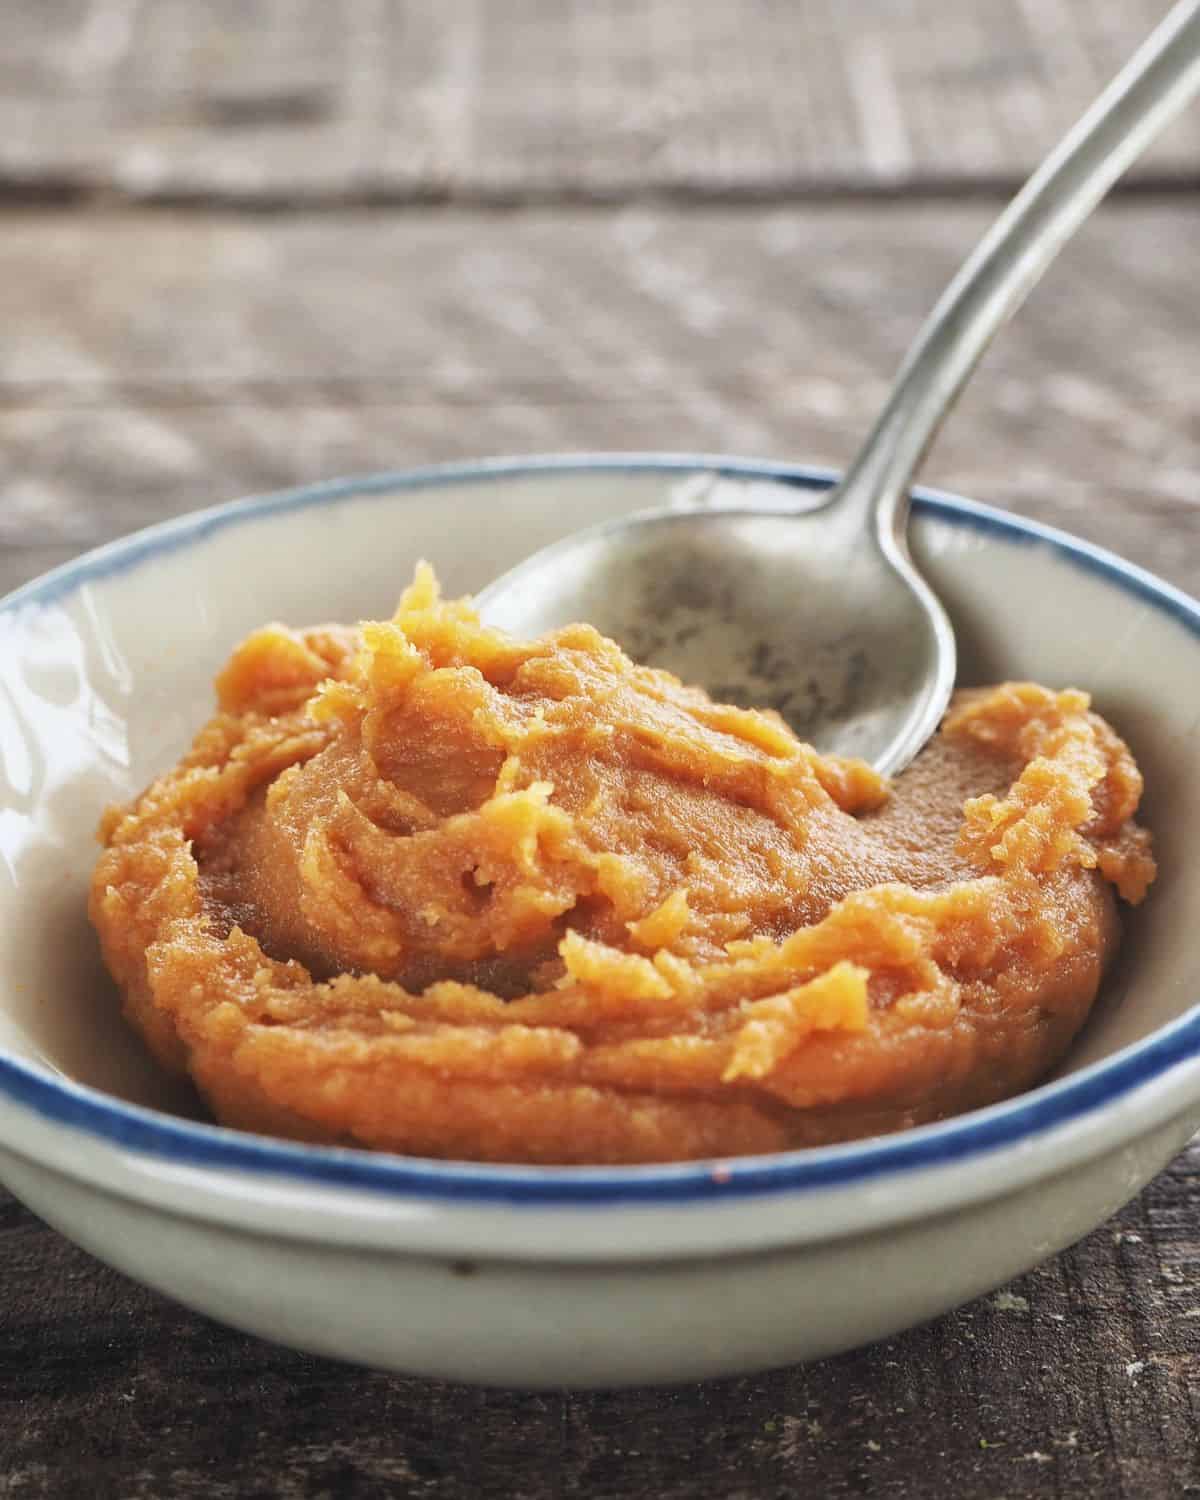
column 256, row 102
column 150, row 366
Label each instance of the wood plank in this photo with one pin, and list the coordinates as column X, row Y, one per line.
column 149, row 366
column 253, row 101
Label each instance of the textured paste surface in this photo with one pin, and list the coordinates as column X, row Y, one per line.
column 422, row 887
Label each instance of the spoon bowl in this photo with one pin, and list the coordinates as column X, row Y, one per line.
column 753, row 603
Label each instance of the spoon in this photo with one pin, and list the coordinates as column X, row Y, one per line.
column 818, row 610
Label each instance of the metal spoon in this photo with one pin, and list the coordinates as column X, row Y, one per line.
column 820, row 611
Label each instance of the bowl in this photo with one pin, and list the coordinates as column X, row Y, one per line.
column 553, row 1276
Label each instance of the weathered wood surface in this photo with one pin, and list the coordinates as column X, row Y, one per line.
column 151, row 365
column 396, row 100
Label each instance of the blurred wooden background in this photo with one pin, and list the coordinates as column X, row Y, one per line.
column 299, row 101
column 246, row 245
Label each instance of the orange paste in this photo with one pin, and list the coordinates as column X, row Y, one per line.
column 422, row 887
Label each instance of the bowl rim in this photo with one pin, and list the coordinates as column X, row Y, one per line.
column 1047, row 1110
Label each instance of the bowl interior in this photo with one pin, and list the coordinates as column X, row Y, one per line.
column 106, row 669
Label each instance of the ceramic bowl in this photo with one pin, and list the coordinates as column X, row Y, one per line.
column 540, row 1277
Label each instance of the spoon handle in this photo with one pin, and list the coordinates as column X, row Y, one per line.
column 1152, row 88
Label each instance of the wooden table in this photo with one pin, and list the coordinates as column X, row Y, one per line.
column 250, row 245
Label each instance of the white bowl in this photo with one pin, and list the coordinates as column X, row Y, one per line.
column 556, row 1275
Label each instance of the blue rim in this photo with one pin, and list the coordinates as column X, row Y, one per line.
column 143, row 1130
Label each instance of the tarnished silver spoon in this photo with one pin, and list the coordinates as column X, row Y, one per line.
column 820, row 611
